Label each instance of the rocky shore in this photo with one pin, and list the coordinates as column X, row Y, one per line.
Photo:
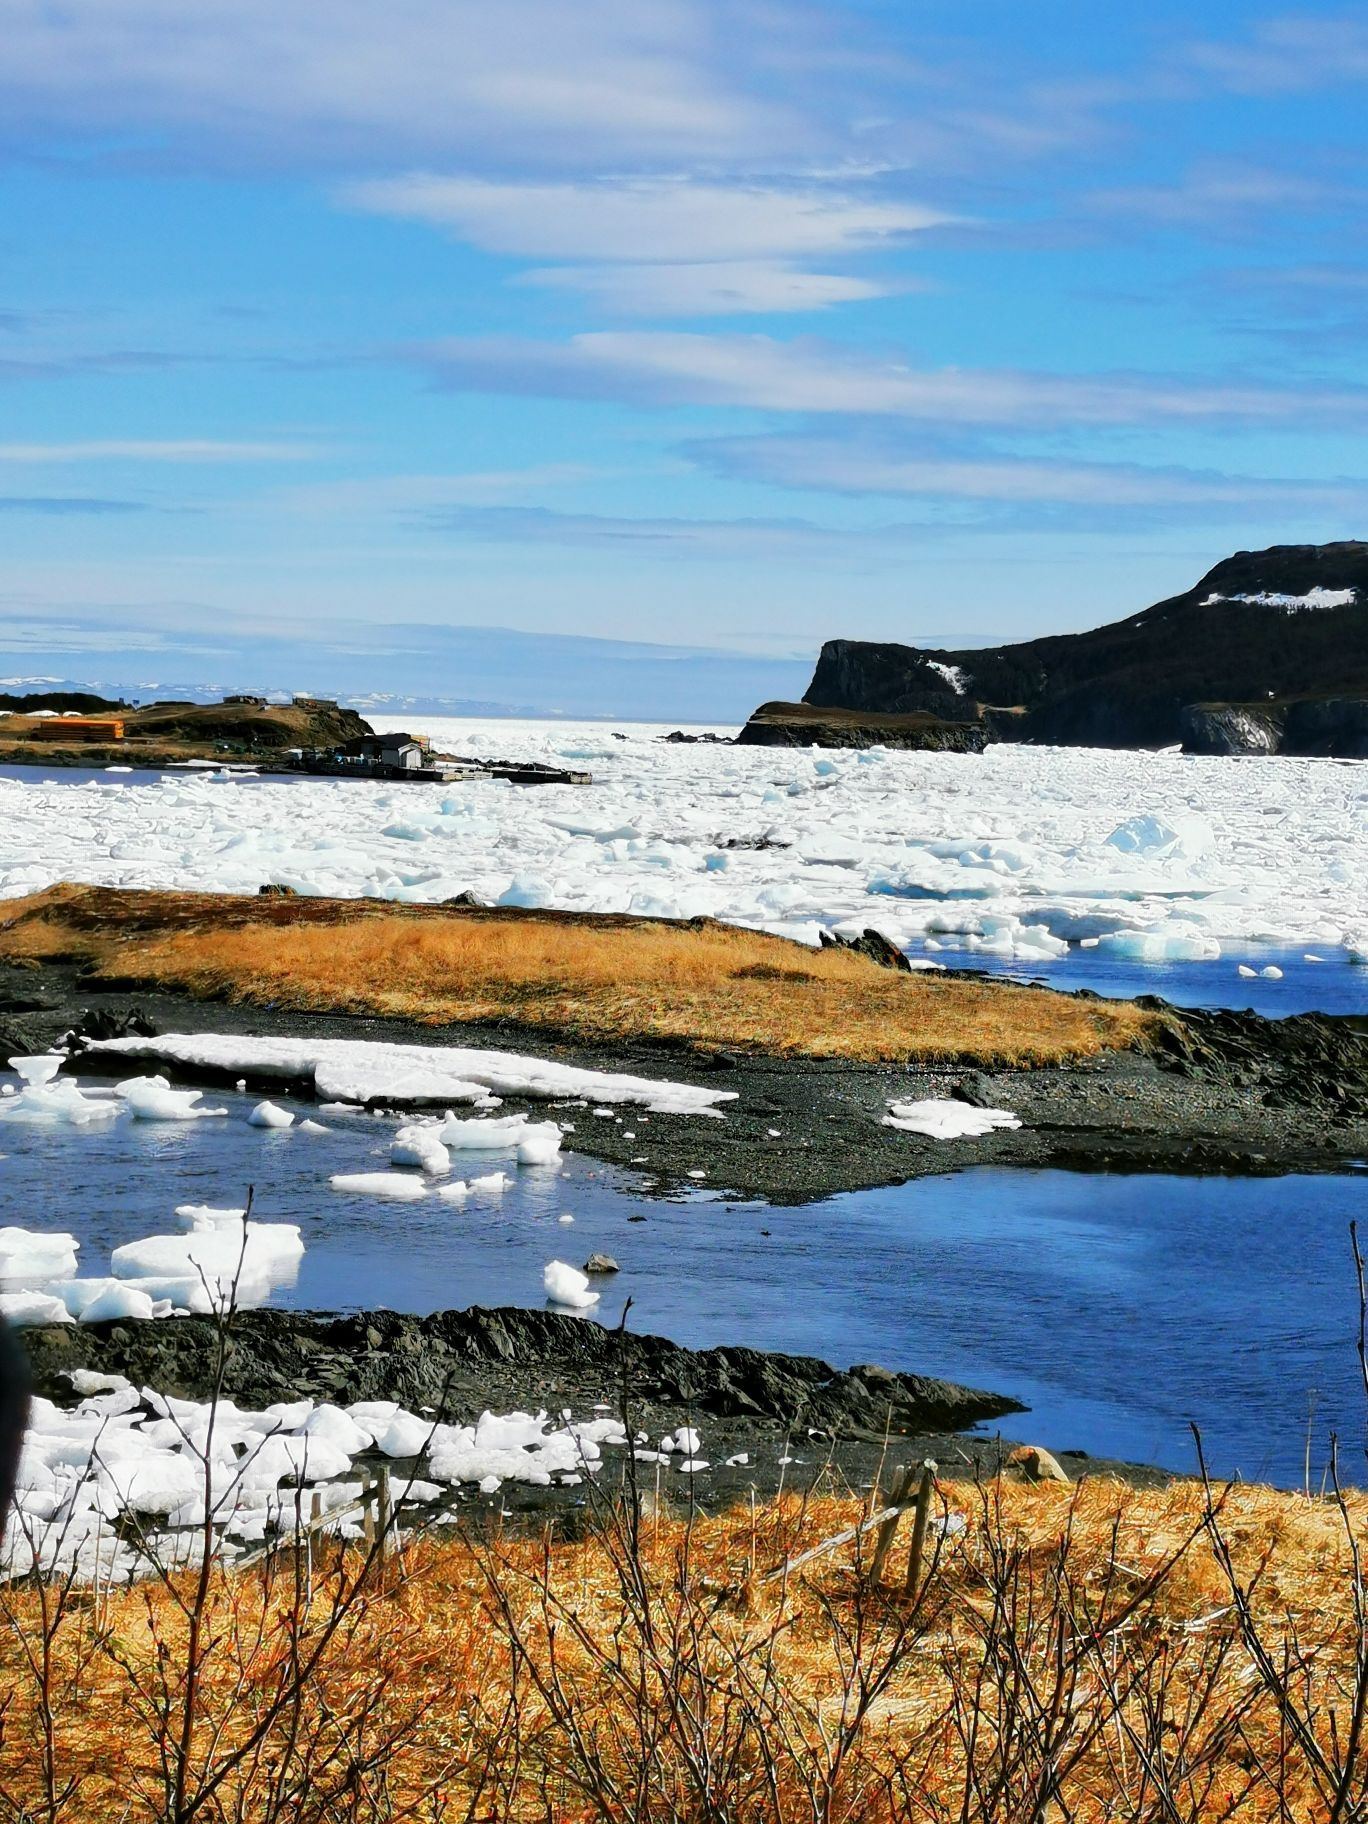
column 795, row 1420
column 1216, row 1092
column 1219, row 1091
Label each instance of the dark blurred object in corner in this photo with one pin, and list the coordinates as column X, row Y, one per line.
column 13, row 1416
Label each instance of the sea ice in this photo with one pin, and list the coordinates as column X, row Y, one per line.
column 421, row 1146
column 566, row 1285
column 969, row 852
column 266, row 1114
column 153, row 1099
column 397, row 1185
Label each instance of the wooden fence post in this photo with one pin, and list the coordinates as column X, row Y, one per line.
column 923, row 1514
column 902, row 1487
column 383, row 1513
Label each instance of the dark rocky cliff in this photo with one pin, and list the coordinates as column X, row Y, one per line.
column 1267, row 653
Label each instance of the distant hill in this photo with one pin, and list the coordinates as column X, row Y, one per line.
column 1267, row 653
column 160, row 734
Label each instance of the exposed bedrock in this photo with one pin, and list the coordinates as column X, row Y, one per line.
column 1267, row 653
column 462, row 1360
column 800, row 725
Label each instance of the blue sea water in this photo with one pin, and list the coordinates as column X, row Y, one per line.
column 1119, row 1308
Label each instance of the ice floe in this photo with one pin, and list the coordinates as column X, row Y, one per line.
column 223, row 1258
column 566, row 1285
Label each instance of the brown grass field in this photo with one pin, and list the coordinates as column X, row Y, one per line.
column 1087, row 1654
column 589, row 977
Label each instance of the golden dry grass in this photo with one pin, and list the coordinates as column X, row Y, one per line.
column 519, row 1681
column 598, row 978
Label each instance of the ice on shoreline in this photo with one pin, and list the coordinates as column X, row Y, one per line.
column 946, row 1119
column 366, row 1070
column 123, row 1450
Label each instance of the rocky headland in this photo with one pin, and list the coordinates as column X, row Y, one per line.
column 1267, row 653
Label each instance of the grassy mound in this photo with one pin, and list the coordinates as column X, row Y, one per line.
column 599, row 978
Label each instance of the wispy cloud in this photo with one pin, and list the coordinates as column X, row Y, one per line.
column 667, row 245
column 174, row 450
column 643, row 220
column 859, row 468
column 1228, row 195
column 63, row 506
column 343, row 80
column 1290, row 54
column 721, row 288
column 807, row 375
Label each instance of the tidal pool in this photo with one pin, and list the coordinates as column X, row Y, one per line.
column 1119, row 1308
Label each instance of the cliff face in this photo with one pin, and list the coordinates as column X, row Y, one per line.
column 1267, row 653
column 799, row 725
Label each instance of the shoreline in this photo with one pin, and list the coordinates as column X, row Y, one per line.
column 1226, row 1093
column 1231, row 1093
column 796, row 1420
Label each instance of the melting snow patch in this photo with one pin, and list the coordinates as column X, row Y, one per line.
column 362, row 1070
column 945, row 1119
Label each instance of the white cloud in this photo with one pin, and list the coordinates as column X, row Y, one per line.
column 203, row 450
column 806, row 375
column 720, row 288
column 848, row 468
column 334, row 80
column 1297, row 52
column 646, row 219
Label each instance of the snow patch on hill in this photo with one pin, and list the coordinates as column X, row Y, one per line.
column 1290, row 604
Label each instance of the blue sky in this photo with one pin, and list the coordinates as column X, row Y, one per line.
column 329, row 330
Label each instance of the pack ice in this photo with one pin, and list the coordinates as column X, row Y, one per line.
column 1018, row 852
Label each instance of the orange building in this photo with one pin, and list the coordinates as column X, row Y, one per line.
column 78, row 728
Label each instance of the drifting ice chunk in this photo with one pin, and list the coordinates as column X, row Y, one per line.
column 207, row 1216
column 455, row 1192
column 943, row 1119
column 266, row 1114
column 44, row 1098
column 420, row 1145
column 493, row 1184
column 540, row 1145
column 153, row 1099
column 566, row 1285
column 380, row 1184
column 118, row 1301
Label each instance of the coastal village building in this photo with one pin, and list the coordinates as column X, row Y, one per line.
column 78, row 728
column 401, row 750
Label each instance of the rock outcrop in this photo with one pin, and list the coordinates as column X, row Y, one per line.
column 1268, row 653
column 800, row 725
column 459, row 1361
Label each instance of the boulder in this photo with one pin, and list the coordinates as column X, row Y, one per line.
column 1033, row 1463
